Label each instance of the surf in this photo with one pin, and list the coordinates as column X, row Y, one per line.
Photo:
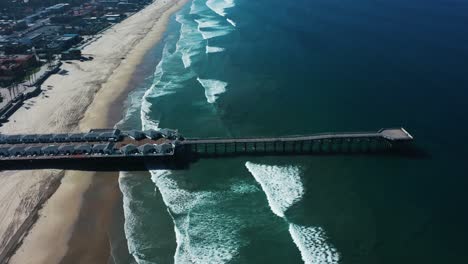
column 210, row 49
column 220, row 6
column 204, row 234
column 213, row 88
column 283, row 188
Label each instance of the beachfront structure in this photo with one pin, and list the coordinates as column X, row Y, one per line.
column 135, row 134
column 169, row 133
column 83, row 149
column 4, row 151
column 91, row 136
column 60, row 138
column 109, row 135
column 46, row 138
column 29, row 139
column 153, row 134
column 66, row 150
column 104, row 148
column 33, row 150
column 129, row 149
column 50, row 150
column 136, row 150
column 17, row 151
column 147, row 149
column 13, row 139
column 76, row 137
column 165, row 148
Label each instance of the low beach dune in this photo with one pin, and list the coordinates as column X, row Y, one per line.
column 84, row 95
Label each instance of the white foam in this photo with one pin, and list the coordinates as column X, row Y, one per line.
column 202, row 236
column 131, row 219
column 194, row 8
column 189, row 44
column 211, row 49
column 220, row 6
column 231, row 22
column 133, row 104
column 282, row 185
column 145, row 104
column 244, row 188
column 313, row 245
column 186, row 59
column 211, row 28
column 164, row 83
column 213, row 88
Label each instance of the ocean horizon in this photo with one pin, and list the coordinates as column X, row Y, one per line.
column 237, row 68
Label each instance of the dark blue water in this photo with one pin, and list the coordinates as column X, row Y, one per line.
column 247, row 68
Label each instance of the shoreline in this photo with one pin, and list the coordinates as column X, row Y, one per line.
column 52, row 229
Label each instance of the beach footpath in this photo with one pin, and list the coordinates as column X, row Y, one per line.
column 41, row 209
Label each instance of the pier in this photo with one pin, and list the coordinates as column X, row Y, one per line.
column 112, row 149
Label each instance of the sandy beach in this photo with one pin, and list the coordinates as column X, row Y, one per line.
column 85, row 95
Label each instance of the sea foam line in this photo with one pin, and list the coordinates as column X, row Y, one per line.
column 217, row 239
column 283, row 187
column 313, row 245
column 213, row 88
column 220, row 6
column 231, row 22
column 211, row 28
column 189, row 44
column 211, row 49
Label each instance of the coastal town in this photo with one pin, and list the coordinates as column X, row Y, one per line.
column 79, row 85
column 36, row 36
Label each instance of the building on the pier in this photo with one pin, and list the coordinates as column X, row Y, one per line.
column 76, row 137
column 104, row 148
column 66, row 150
column 13, row 139
column 135, row 134
column 30, row 139
column 169, row 133
column 33, row 151
column 91, row 136
column 4, row 151
column 46, row 138
column 17, row 151
column 165, row 148
column 153, row 134
column 129, row 149
column 147, row 149
column 50, row 150
column 83, row 149
column 108, row 134
column 60, row 138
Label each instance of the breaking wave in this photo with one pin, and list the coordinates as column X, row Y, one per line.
column 283, row 187
column 204, row 233
column 220, row 6
column 312, row 243
column 213, row 88
column 231, row 22
column 212, row 28
column 189, row 44
column 210, row 49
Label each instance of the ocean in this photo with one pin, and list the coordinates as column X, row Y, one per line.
column 265, row 68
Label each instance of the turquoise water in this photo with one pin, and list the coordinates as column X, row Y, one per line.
column 247, row 68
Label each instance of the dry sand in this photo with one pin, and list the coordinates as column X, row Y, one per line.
column 80, row 99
